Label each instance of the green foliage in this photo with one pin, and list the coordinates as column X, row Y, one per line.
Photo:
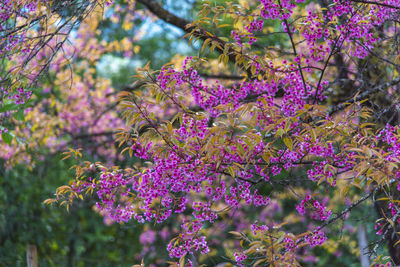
column 75, row 238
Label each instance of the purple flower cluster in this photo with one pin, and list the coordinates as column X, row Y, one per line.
column 10, row 12
column 188, row 241
column 210, row 97
column 319, row 211
column 148, row 237
column 20, row 96
column 245, row 133
column 108, row 190
column 256, row 25
column 240, row 258
column 274, row 10
column 289, row 243
column 316, row 238
column 258, row 228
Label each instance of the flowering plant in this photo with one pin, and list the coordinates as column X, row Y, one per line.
column 288, row 124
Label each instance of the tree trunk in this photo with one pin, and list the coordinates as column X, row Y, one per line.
column 31, row 256
column 363, row 246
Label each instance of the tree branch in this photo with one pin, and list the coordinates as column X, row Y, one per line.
column 365, row 94
column 375, row 3
column 155, row 8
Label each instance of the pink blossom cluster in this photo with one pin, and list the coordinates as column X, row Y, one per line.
column 388, row 136
column 140, row 151
column 188, row 246
column 394, row 210
column 83, row 114
column 10, row 12
column 147, row 237
column 256, row 25
column 289, row 243
column 6, row 10
column 2, row 130
column 379, row 226
column 188, row 241
column 315, row 33
column 278, row 10
column 357, row 33
column 258, row 228
column 240, row 258
column 316, row 238
column 203, row 212
column 192, row 128
column 169, row 175
column 210, row 97
column 20, row 96
column 319, row 211
column 108, row 191
column 11, row 42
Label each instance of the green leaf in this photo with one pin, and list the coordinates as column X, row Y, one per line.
column 19, row 115
column 205, row 44
column 8, row 107
column 288, row 142
column 266, row 157
column 279, row 132
column 7, row 138
column 231, row 171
